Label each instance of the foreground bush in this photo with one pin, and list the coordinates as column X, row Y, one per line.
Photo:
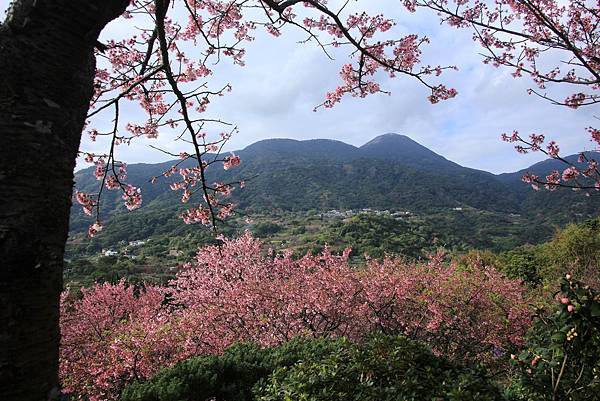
column 230, row 376
column 562, row 358
column 383, row 368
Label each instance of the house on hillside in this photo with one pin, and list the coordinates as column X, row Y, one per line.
column 109, row 252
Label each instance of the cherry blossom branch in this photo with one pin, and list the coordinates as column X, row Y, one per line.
column 570, row 174
column 437, row 92
column 161, row 12
column 545, row 26
column 126, row 92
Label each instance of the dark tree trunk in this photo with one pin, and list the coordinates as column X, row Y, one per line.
column 46, row 82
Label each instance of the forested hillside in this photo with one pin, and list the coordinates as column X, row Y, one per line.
column 389, row 173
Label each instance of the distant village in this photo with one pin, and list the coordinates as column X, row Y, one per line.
column 126, row 250
column 342, row 214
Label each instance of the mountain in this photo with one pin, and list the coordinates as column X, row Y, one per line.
column 389, row 172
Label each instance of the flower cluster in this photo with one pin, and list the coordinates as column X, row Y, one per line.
column 231, row 161
column 86, row 201
column 132, row 197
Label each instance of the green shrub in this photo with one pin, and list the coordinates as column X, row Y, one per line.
column 522, row 263
column 576, row 250
column 230, row 376
column 383, row 368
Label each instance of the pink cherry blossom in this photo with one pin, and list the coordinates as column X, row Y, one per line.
column 231, row 161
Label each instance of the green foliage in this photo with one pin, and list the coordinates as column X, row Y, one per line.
column 266, row 228
column 109, row 269
column 476, row 257
column 523, row 263
column 299, row 230
column 87, row 271
column 576, row 250
column 377, row 235
column 154, row 221
column 383, row 368
column 561, row 360
column 416, row 235
column 230, row 376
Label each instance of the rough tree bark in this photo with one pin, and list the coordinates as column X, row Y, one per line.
column 46, row 82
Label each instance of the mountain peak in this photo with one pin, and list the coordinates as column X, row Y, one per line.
column 284, row 149
column 405, row 150
column 388, row 138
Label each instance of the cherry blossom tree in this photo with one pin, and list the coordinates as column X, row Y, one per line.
column 47, row 67
column 242, row 292
column 114, row 334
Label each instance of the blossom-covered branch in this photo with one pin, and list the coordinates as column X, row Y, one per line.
column 583, row 175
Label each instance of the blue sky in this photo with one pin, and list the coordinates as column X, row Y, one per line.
column 274, row 94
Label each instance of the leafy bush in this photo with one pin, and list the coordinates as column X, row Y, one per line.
column 230, row 376
column 383, row 368
column 561, row 361
column 576, row 250
column 522, row 263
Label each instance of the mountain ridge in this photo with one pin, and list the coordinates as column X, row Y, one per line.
column 391, row 171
